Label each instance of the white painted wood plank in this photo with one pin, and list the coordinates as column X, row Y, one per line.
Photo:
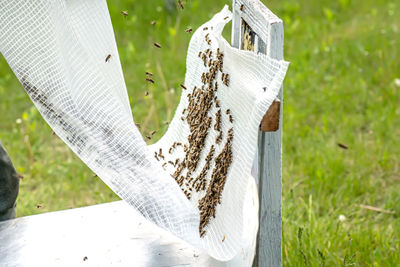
column 269, row 250
column 111, row 234
column 269, row 40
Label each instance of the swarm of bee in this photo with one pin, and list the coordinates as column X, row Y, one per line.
column 196, row 115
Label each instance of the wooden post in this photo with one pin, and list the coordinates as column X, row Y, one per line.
column 256, row 28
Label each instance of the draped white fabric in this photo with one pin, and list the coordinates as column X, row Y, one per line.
column 57, row 49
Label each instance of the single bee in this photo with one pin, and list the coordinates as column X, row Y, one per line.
column 166, row 122
column 183, row 86
column 149, row 73
column 228, row 111
column 108, row 58
column 181, row 4
column 227, row 17
column 124, row 13
column 137, row 125
column 241, row 7
column 153, row 132
column 223, row 239
column 157, row 45
column 150, row 80
column 189, row 30
column 205, row 28
column 148, row 137
column 147, row 93
column 153, row 22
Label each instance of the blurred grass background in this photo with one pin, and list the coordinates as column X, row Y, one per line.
column 342, row 87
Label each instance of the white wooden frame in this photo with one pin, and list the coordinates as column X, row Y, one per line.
column 268, row 30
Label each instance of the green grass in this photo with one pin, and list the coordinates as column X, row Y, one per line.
column 340, row 88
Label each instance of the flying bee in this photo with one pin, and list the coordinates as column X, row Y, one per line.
column 153, row 22
column 108, row 58
column 164, row 164
column 205, row 28
column 228, row 111
column 157, row 45
column 189, row 30
column 199, row 55
column 124, row 13
column 181, row 4
column 150, row 80
column 241, row 7
column 149, row 73
column 183, row 87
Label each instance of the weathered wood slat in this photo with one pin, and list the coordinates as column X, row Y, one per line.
column 251, row 18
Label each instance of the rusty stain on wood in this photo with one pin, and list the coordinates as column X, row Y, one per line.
column 270, row 121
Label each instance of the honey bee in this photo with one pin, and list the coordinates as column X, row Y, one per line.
column 183, row 86
column 223, row 239
column 227, row 17
column 205, row 28
column 108, row 58
column 137, row 125
column 153, row 132
column 166, row 122
column 164, row 164
column 189, row 30
column 157, row 45
column 241, row 7
column 150, row 80
column 181, row 4
column 148, row 137
column 149, row 73
column 228, row 111
column 124, row 13
column 153, row 22
column 147, row 93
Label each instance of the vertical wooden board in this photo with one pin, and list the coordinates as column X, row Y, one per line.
column 269, row 251
column 266, row 38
